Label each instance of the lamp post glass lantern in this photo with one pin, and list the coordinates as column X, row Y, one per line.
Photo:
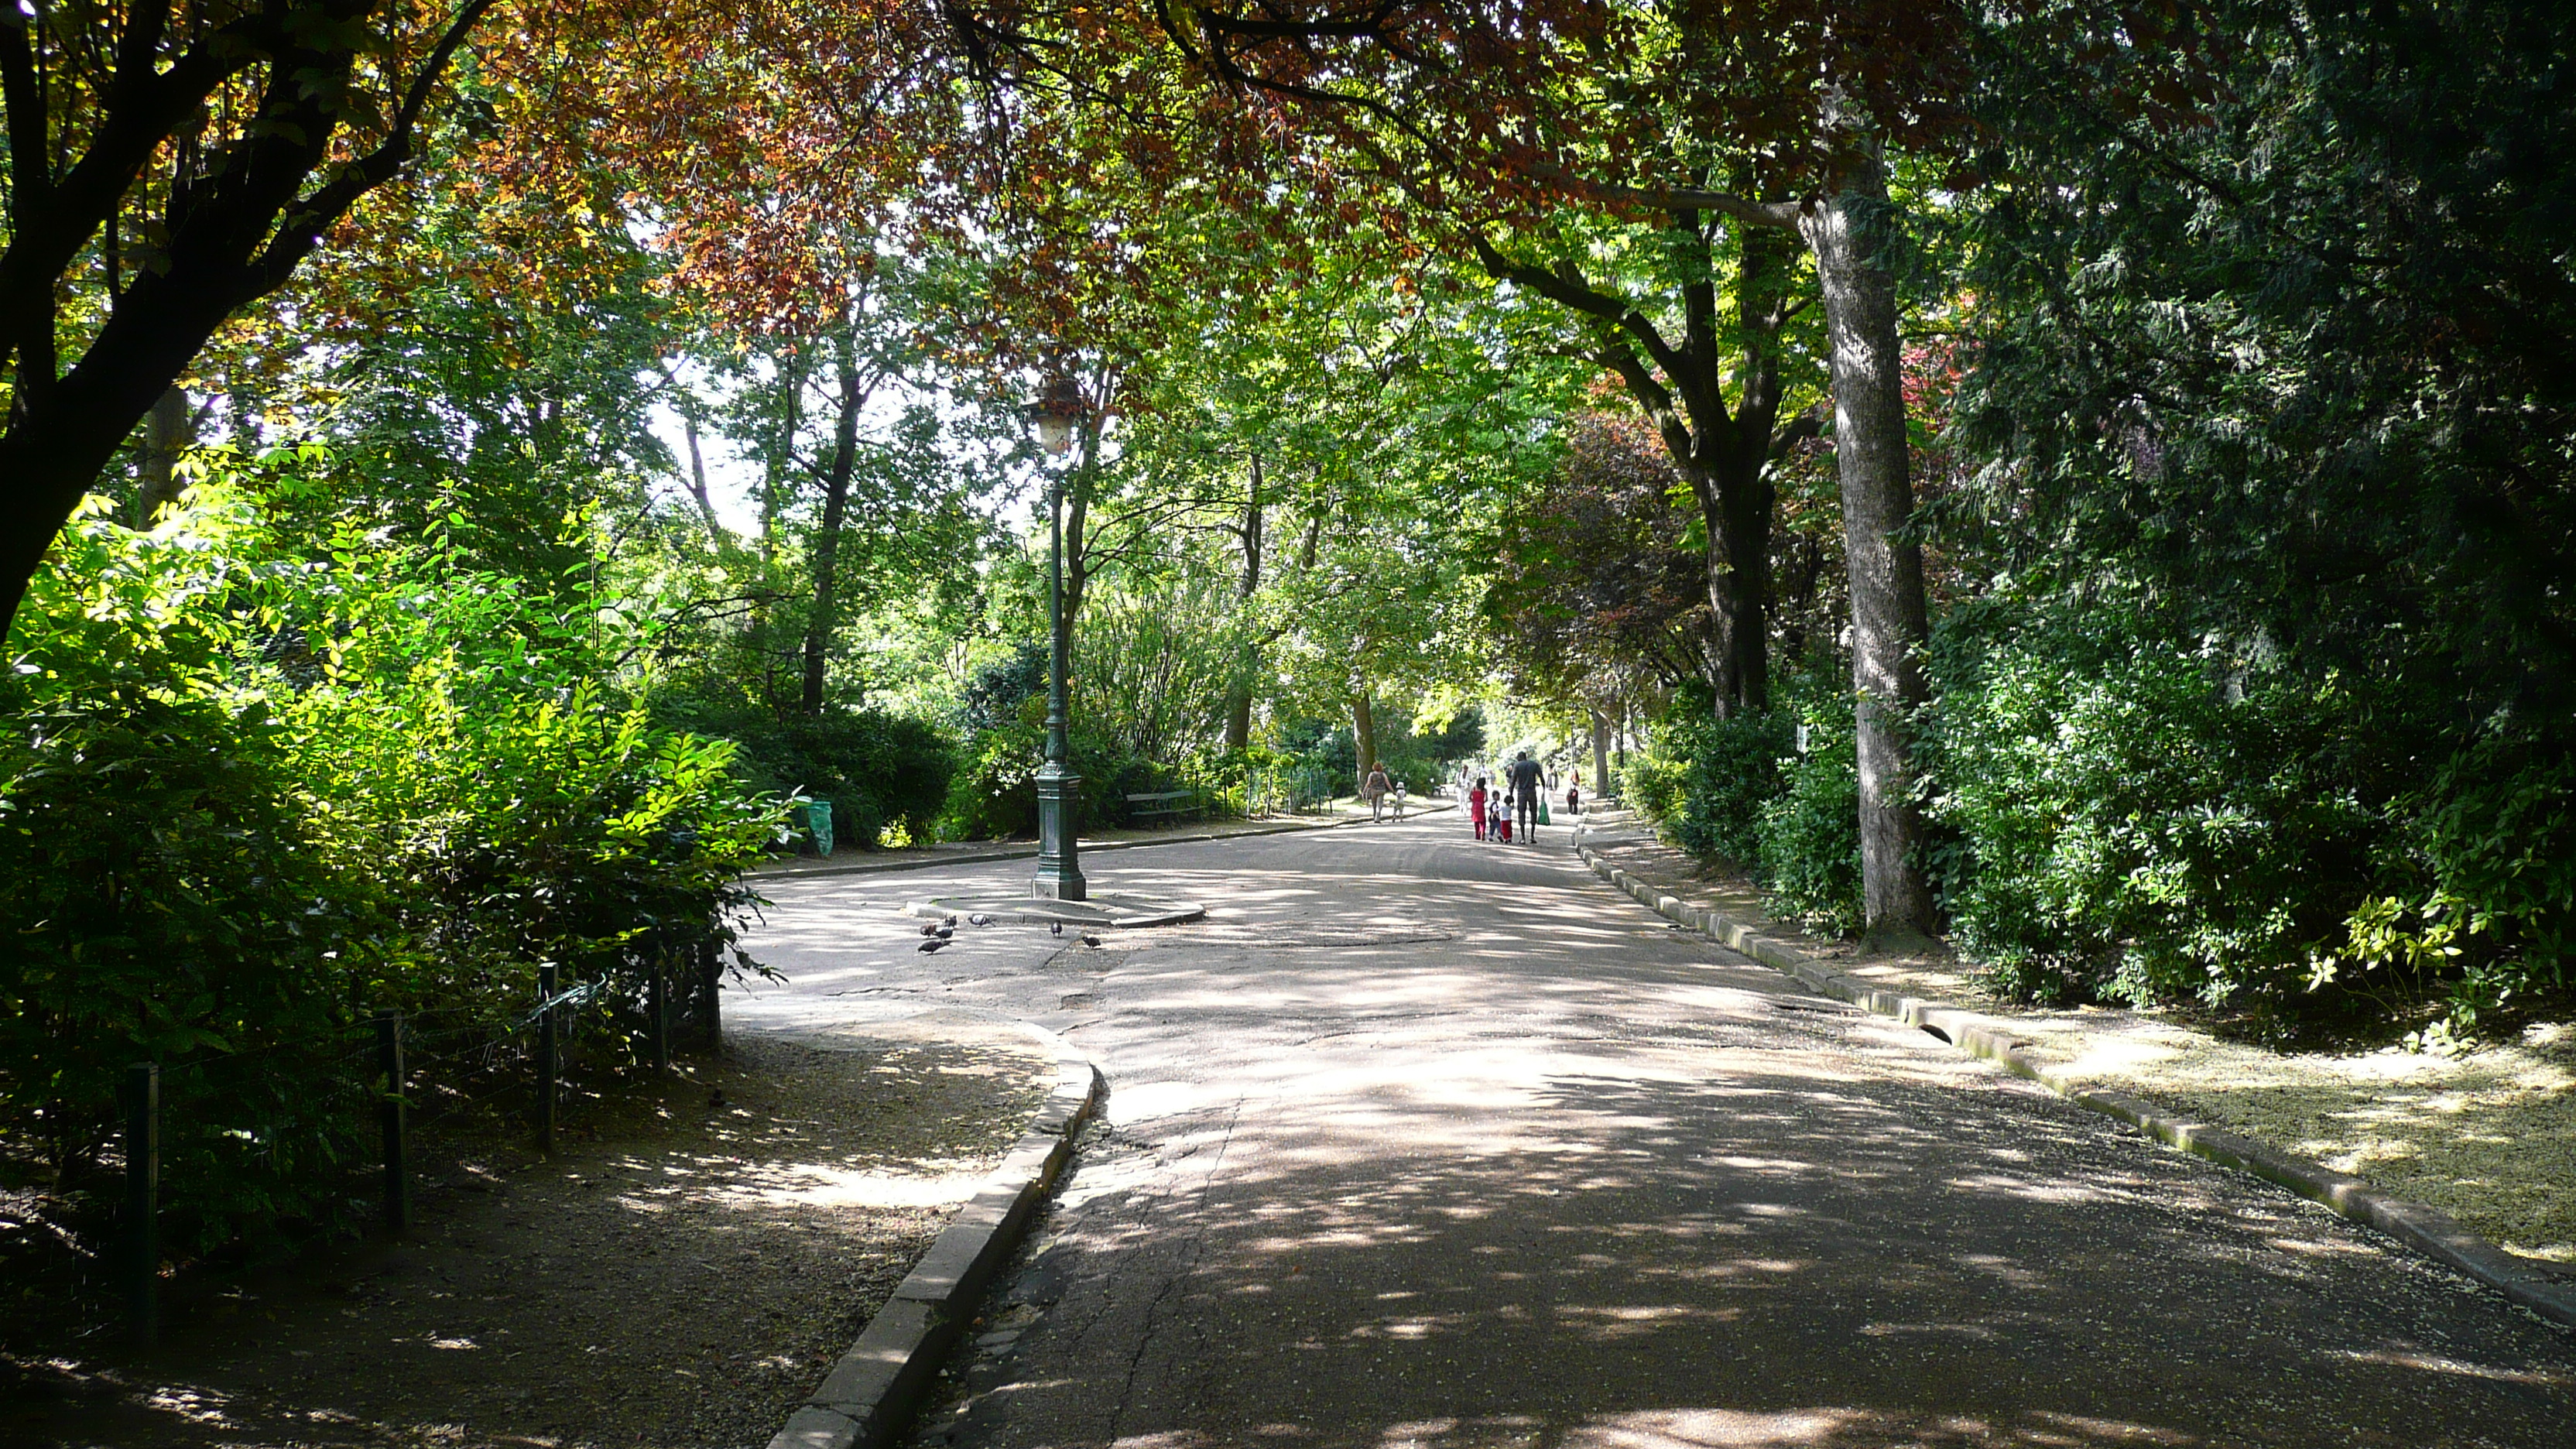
column 1059, row 873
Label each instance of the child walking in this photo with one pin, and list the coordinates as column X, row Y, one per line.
column 1476, row 799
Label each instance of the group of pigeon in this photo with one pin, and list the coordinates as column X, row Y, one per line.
column 939, row 933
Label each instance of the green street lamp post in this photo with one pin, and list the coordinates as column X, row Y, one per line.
column 1059, row 874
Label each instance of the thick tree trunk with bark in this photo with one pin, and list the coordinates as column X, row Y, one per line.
column 1889, row 617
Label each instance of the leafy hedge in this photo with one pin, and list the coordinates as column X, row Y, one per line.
column 1742, row 791
column 2143, row 817
column 248, row 799
column 877, row 769
column 2122, row 810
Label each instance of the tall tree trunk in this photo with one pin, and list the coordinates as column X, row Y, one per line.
column 1889, row 618
column 698, row 479
column 1737, row 512
column 778, row 458
column 1238, row 694
column 167, row 431
column 1363, row 734
column 1600, row 754
column 827, row 541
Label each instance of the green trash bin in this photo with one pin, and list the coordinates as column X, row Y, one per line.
column 816, row 817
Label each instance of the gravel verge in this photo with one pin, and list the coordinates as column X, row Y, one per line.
column 681, row 1281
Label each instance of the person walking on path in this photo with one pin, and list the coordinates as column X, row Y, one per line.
column 1375, row 789
column 1526, row 780
column 1476, row 802
column 1573, row 799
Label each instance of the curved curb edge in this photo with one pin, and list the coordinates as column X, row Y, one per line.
column 2428, row 1230
column 870, row 1394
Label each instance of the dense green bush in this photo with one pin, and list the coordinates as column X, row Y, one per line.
column 1707, row 780
column 2121, row 811
column 1740, row 790
column 167, row 900
column 994, row 794
column 228, row 844
column 1809, row 832
column 2476, row 895
column 877, row 769
column 2141, row 816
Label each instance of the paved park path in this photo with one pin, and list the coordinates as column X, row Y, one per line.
column 1420, row 1144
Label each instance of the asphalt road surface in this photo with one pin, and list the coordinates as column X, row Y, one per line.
column 1422, row 1144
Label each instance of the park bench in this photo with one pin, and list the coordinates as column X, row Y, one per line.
column 1162, row 804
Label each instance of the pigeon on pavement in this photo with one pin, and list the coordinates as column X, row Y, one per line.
column 933, row 944
column 930, row 930
column 1055, row 928
column 1089, row 939
column 979, row 919
column 945, row 932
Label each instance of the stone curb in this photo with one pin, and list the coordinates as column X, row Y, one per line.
column 1030, row 851
column 871, row 1393
column 2427, row 1230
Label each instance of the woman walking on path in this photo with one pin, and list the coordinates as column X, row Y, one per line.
column 1376, row 790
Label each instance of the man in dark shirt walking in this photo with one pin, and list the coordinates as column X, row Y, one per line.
column 1525, row 778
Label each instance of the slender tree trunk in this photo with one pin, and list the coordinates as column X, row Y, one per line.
column 1238, row 695
column 827, row 541
column 1363, row 734
column 698, row 480
column 1600, row 754
column 1889, row 618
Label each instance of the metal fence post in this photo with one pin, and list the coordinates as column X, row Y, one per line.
column 143, row 1201
column 710, row 978
column 391, row 1112
column 657, row 1010
column 546, row 1059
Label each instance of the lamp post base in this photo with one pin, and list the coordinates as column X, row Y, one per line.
column 1059, row 873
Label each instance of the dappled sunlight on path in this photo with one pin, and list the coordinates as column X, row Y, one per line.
column 1420, row 1142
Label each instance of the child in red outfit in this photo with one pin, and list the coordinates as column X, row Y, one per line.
column 1476, row 806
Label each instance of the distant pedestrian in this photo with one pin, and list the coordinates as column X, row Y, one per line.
column 1375, row 789
column 1573, row 799
column 1523, row 784
column 1476, row 801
